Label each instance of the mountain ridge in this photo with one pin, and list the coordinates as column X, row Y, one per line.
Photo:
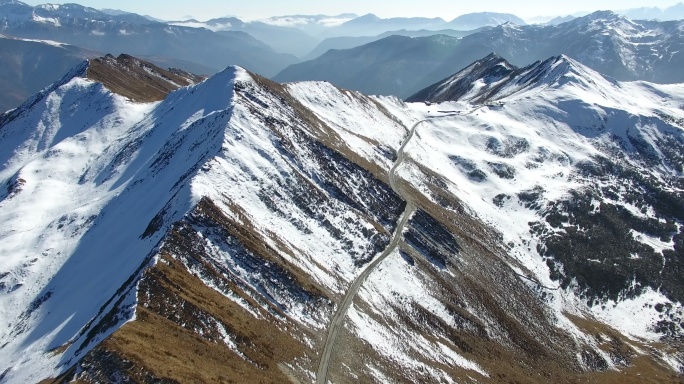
column 134, row 34
column 499, row 79
column 240, row 210
column 564, row 87
column 604, row 41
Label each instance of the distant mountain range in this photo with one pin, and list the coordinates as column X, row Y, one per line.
column 299, row 34
column 284, row 39
column 604, row 41
column 135, row 34
column 311, row 24
column 675, row 12
column 395, row 65
column 30, row 65
column 199, row 47
column 347, row 42
column 371, row 25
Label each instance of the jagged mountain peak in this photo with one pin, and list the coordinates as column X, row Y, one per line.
column 552, row 69
column 492, row 68
column 367, row 18
column 125, row 75
column 605, row 20
column 603, row 15
column 493, row 78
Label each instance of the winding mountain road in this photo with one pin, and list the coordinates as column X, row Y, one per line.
column 336, row 322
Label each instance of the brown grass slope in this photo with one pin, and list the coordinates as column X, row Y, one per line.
column 179, row 331
column 136, row 79
column 178, row 334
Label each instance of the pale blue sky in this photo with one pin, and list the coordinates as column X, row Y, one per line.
column 447, row 9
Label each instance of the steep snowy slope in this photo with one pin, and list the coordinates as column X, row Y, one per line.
column 48, row 205
column 239, row 228
column 581, row 174
column 94, row 182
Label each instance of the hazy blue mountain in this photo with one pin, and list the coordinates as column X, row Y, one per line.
column 560, row 20
column 281, row 38
column 472, row 21
column 137, row 35
column 346, row 42
column 29, row 66
column 395, row 65
column 675, row 12
column 371, row 25
column 604, row 41
column 120, row 12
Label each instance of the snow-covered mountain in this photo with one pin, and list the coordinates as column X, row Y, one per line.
column 17, row 13
column 245, row 230
column 580, row 170
column 472, row 21
column 675, row 12
column 472, row 84
column 604, row 41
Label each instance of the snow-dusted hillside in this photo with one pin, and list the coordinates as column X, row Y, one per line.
column 484, row 19
column 93, row 182
column 214, row 235
column 604, row 41
column 581, row 174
